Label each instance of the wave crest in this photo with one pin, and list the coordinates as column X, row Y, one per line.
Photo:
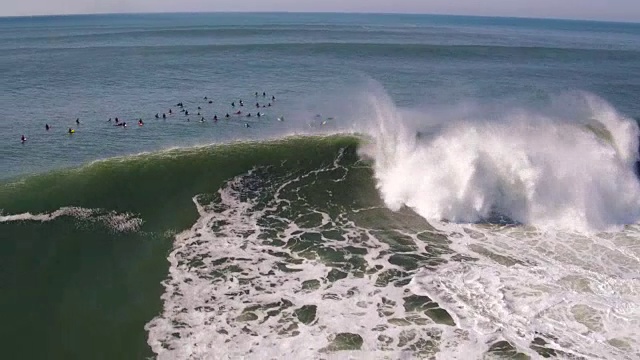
column 570, row 168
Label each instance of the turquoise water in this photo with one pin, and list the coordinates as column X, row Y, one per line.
column 420, row 186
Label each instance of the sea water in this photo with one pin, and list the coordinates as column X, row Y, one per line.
column 419, row 187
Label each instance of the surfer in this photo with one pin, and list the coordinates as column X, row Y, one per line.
column 249, row 115
column 210, row 102
column 71, row 131
column 117, row 121
column 258, row 105
column 259, row 115
column 202, row 120
column 205, row 98
column 264, row 94
column 157, row 116
column 170, row 112
column 233, row 104
column 269, row 105
column 164, row 116
column 239, row 112
column 140, row 122
column 186, row 112
column 199, row 108
column 246, row 125
column 23, row 139
column 215, row 117
column 227, row 115
column 47, row 127
column 273, row 98
column 78, row 121
column 241, row 103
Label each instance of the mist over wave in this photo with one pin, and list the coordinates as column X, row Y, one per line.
column 569, row 166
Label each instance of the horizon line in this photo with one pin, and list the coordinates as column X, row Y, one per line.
column 325, row 12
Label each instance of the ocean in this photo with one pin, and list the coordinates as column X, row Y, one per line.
column 415, row 186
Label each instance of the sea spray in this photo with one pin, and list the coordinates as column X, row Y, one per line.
column 530, row 167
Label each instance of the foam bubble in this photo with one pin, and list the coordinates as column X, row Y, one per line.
column 576, row 295
column 265, row 273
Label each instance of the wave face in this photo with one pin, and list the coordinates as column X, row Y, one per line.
column 548, row 169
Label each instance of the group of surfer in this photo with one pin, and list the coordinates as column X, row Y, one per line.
column 124, row 123
column 227, row 115
column 183, row 110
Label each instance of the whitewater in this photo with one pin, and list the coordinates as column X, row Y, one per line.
column 527, row 244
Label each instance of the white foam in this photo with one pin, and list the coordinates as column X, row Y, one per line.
column 580, row 294
column 201, row 316
column 113, row 220
column 566, row 176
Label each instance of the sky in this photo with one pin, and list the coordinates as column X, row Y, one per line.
column 614, row 10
